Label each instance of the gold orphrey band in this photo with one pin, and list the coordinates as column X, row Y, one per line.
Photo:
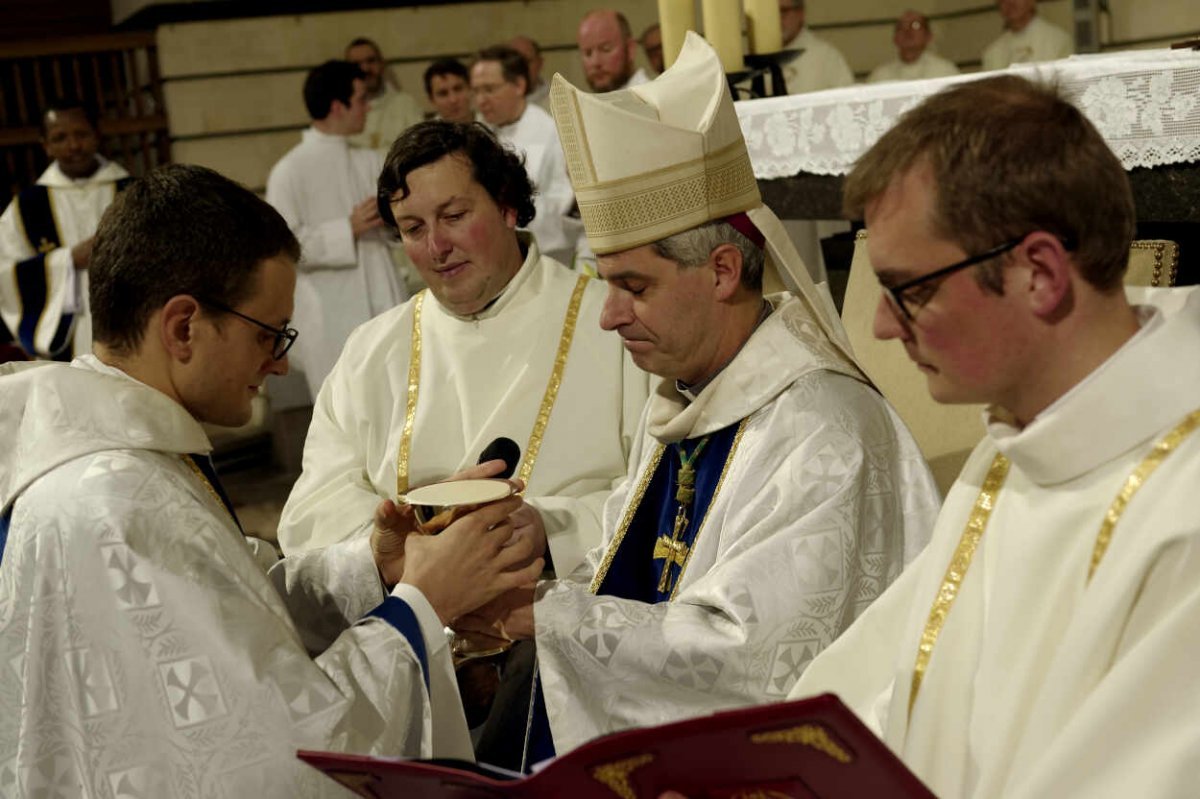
column 982, row 510
column 533, row 447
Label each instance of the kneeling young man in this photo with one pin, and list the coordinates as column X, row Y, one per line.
column 148, row 645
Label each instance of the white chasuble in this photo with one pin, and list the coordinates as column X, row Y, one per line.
column 1065, row 664
column 823, row 499
column 145, row 649
column 478, row 378
column 74, row 210
column 343, row 281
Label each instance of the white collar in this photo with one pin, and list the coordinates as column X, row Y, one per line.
column 1155, row 375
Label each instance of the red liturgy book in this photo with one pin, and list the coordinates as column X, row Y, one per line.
column 809, row 749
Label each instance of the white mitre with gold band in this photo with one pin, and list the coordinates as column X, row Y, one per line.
column 666, row 156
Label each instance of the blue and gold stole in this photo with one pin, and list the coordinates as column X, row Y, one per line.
column 41, row 231
column 652, row 545
column 651, row 548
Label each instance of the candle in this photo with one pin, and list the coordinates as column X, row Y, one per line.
column 762, row 17
column 676, row 17
column 723, row 29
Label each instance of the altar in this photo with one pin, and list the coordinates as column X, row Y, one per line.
column 1146, row 104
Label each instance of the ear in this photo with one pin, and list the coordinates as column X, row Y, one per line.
column 1050, row 271
column 177, row 326
column 510, row 216
column 726, row 262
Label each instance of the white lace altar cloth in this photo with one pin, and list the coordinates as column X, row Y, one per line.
column 1145, row 103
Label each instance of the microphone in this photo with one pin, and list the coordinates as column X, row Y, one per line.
column 504, row 449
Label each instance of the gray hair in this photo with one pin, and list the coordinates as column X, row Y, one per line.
column 692, row 248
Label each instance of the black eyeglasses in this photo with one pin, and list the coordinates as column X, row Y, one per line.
column 285, row 337
column 907, row 307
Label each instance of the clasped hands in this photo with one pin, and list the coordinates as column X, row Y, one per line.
column 479, row 573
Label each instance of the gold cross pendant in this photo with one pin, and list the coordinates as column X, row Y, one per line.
column 672, row 550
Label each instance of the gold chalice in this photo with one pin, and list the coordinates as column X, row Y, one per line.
column 435, row 507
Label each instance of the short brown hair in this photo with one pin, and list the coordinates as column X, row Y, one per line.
column 1009, row 156
column 181, row 229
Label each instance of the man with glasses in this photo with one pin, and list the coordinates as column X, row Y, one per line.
column 915, row 60
column 149, row 647
column 1045, row 642
column 499, row 84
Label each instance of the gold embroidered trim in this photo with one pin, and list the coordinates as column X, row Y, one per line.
column 647, row 210
column 811, row 735
column 534, row 445
column 957, row 570
column 1160, row 248
column 1135, row 481
column 574, row 139
column 731, row 154
column 410, row 399
column 615, row 775
column 552, row 385
column 212, row 492
column 634, row 503
column 737, row 439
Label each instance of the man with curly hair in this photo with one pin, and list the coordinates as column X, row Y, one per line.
column 505, row 342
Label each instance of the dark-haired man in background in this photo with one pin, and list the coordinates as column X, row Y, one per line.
column 325, row 189
column 46, row 237
column 448, row 87
column 151, row 648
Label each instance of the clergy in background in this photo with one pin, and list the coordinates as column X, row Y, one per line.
column 608, row 51
column 390, row 109
column 538, row 92
column 1045, row 642
column 505, row 343
column 499, row 84
column 1027, row 38
column 325, row 189
column 46, row 238
column 914, row 58
column 820, row 65
column 772, row 493
column 150, row 647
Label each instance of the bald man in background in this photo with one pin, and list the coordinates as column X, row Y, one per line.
column 608, row 50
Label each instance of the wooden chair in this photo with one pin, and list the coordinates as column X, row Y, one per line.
column 946, row 434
